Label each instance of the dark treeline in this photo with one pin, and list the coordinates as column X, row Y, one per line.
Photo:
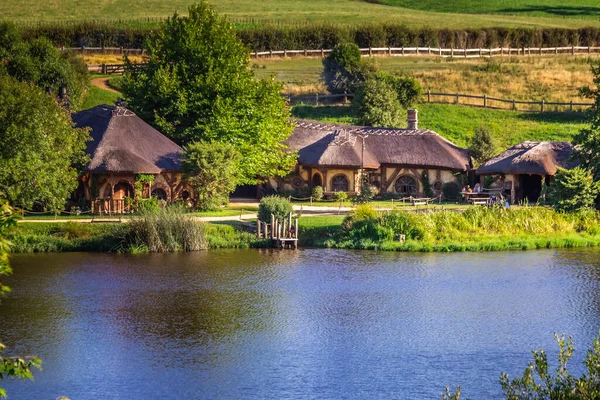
column 326, row 36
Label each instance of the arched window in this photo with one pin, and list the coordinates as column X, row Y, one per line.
column 159, row 194
column 185, row 195
column 340, row 183
column 316, row 180
column 406, row 185
column 122, row 190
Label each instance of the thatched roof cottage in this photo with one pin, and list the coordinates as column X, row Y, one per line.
column 522, row 168
column 122, row 148
column 396, row 161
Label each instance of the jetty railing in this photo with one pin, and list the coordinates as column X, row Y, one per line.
column 282, row 232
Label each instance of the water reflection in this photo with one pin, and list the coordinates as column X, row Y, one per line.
column 284, row 324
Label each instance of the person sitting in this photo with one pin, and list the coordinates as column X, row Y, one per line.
column 477, row 188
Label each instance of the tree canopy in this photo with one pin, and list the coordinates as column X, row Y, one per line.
column 376, row 104
column 344, row 70
column 573, row 189
column 482, row 146
column 39, row 147
column 197, row 86
column 40, row 63
column 213, row 170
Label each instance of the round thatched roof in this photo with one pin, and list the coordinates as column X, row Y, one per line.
column 535, row 158
column 123, row 143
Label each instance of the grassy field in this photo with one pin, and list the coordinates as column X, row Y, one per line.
column 457, row 123
column 544, row 8
column 520, row 78
column 439, row 14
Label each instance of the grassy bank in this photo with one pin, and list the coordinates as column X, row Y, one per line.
column 477, row 229
column 73, row 236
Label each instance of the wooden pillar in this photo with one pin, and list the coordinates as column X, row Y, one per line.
column 325, row 182
column 383, row 188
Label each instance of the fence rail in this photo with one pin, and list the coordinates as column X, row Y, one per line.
column 387, row 51
column 483, row 101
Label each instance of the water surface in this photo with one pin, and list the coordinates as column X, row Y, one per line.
column 292, row 324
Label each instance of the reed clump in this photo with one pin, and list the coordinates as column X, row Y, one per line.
column 167, row 229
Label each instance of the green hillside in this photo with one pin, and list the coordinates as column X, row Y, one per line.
column 539, row 8
column 337, row 11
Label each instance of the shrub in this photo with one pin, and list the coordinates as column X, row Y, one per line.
column 148, row 205
column 340, row 196
column 402, row 223
column 376, row 104
column 278, row 206
column 573, row 189
column 366, row 194
column 408, row 89
column 317, row 192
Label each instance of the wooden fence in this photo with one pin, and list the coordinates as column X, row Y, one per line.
column 388, row 51
column 483, row 101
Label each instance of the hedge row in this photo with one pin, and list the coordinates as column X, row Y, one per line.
column 318, row 36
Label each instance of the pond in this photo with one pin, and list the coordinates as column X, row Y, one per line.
column 245, row 324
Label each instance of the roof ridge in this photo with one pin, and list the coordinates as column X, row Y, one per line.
column 364, row 130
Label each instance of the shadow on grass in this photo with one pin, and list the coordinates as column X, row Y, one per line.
column 563, row 11
column 556, row 117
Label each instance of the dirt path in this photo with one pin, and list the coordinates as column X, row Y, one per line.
column 102, row 83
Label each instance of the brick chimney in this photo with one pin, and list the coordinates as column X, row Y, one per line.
column 413, row 119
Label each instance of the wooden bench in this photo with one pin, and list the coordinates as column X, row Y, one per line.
column 482, row 201
column 419, row 201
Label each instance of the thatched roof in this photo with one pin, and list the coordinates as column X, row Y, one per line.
column 320, row 144
column 123, row 143
column 536, row 158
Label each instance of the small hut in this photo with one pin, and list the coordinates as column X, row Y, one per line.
column 521, row 170
column 126, row 153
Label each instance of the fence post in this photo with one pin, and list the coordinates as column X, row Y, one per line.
column 514, row 106
column 571, row 105
column 573, row 50
column 556, row 50
column 305, row 53
column 484, row 100
column 390, row 51
column 402, row 50
column 322, row 53
column 271, row 53
column 542, row 104
column 540, row 50
column 284, row 53
column 370, row 52
column 480, row 53
column 311, row 200
column 429, row 95
column 317, row 99
column 440, row 49
column 456, row 98
column 103, row 69
column 452, row 52
column 589, row 49
column 465, row 52
column 429, row 50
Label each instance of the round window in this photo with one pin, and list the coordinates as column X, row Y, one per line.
column 297, row 182
column 340, row 183
column 437, row 186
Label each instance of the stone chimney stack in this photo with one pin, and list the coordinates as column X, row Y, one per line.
column 413, row 119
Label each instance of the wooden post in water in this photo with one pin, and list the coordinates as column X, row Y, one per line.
column 297, row 236
column 273, row 224
column 259, row 228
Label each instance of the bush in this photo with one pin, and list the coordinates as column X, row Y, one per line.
column 573, row 190
column 317, row 192
column 361, row 213
column 274, row 205
column 148, row 205
column 340, row 196
column 402, row 223
column 366, row 194
column 376, row 104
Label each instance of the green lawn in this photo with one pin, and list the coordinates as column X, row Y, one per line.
column 431, row 13
column 457, row 123
column 97, row 96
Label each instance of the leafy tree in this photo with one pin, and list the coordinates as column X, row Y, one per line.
column 376, row 104
column 39, row 148
column 573, row 189
column 344, row 70
column 39, row 62
column 280, row 207
column 11, row 367
column 482, row 146
column 197, row 86
column 408, row 89
column 213, row 170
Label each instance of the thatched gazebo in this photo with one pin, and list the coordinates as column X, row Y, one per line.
column 522, row 168
column 124, row 150
column 396, row 161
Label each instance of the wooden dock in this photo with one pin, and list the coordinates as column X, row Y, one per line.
column 283, row 233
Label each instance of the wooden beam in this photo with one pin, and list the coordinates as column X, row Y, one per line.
column 393, row 178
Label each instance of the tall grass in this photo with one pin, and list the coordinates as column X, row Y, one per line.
column 164, row 230
column 477, row 229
